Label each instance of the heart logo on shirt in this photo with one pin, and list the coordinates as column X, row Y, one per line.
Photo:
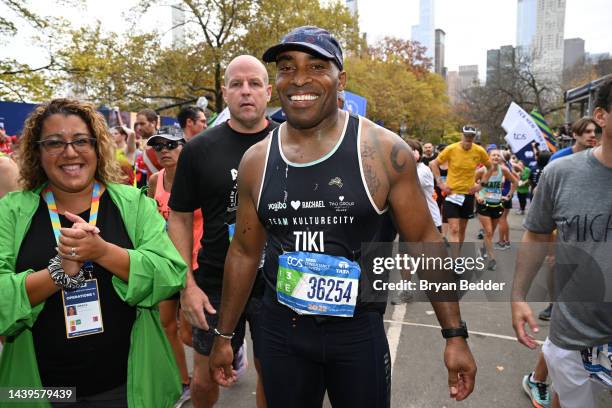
column 295, row 204
column 341, row 198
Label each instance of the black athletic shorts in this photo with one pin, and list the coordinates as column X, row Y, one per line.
column 302, row 357
column 508, row 204
column 494, row 212
column 465, row 211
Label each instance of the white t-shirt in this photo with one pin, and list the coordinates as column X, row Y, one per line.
column 426, row 179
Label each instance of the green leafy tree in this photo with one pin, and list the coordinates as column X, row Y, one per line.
column 394, row 77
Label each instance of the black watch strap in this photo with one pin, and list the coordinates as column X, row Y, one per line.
column 461, row 331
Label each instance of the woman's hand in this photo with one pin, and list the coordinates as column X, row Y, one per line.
column 82, row 242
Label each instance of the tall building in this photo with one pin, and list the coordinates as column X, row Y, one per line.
column 500, row 64
column 539, row 34
column 507, row 58
column 548, row 41
column 468, row 78
column 573, row 52
column 526, row 21
column 351, row 5
column 492, row 67
column 178, row 26
column 439, row 67
column 424, row 31
column 452, row 86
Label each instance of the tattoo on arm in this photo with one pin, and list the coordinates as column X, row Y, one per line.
column 398, row 164
column 372, row 181
column 367, row 152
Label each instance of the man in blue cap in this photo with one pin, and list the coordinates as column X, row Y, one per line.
column 321, row 185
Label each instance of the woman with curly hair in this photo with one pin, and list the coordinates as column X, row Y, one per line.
column 76, row 240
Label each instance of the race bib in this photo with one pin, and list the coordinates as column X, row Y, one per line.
column 598, row 363
column 493, row 197
column 82, row 311
column 317, row 284
column 456, row 198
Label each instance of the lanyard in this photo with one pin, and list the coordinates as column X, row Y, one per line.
column 52, row 206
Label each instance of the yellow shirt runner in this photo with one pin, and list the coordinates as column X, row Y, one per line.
column 461, row 165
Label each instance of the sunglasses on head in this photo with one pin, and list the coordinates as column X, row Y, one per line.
column 171, row 145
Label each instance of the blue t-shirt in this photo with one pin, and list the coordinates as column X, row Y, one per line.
column 561, row 153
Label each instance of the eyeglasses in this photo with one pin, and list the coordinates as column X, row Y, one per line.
column 56, row 147
column 158, row 147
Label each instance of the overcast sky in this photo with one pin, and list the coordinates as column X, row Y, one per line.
column 471, row 26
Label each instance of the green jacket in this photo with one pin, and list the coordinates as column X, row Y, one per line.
column 156, row 272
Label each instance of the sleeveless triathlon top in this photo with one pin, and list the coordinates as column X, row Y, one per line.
column 492, row 191
column 319, row 207
column 161, row 197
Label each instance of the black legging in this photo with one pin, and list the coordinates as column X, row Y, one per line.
column 522, row 197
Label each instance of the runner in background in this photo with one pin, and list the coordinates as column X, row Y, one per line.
column 192, row 119
column 490, row 200
column 522, row 190
column 504, row 228
column 463, row 158
column 168, row 144
column 583, row 132
column 146, row 162
column 125, row 151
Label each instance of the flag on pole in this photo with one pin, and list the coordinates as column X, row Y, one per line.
column 551, row 142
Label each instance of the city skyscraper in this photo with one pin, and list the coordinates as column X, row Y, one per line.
column 573, row 53
column 439, row 67
column 468, row 77
column 500, row 64
column 452, row 86
column 540, row 28
column 548, row 42
column 526, row 22
column 424, row 31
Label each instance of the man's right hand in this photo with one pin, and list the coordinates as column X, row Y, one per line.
column 220, row 363
column 194, row 302
column 521, row 315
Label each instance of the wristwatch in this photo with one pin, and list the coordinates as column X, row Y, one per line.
column 456, row 331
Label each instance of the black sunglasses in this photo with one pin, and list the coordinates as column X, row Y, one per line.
column 158, row 147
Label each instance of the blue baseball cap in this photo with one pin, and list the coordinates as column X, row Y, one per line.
column 490, row 147
column 310, row 39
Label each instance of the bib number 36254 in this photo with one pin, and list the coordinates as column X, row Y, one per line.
column 318, row 284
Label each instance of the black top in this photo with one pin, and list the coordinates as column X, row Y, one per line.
column 94, row 363
column 206, row 178
column 427, row 160
column 323, row 206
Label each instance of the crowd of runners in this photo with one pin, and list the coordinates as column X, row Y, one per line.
column 120, row 246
